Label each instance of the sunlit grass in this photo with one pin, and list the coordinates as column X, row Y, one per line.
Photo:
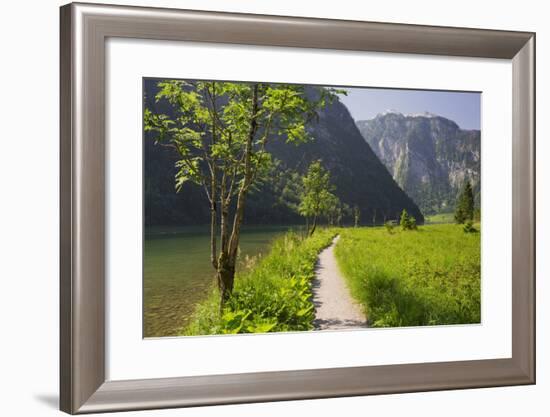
column 413, row 278
column 440, row 218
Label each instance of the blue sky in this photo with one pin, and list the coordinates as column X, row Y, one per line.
column 464, row 108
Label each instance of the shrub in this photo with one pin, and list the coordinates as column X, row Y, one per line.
column 468, row 227
column 407, row 222
column 404, row 220
column 390, row 225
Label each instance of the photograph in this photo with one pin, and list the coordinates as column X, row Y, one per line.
column 272, row 207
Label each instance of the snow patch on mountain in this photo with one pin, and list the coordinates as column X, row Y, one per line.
column 426, row 114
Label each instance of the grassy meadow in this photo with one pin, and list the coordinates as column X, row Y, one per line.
column 440, row 218
column 430, row 276
column 272, row 296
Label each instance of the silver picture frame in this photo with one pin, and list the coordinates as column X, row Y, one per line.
column 83, row 33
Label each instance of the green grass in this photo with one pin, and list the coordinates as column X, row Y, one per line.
column 440, row 218
column 273, row 296
column 413, row 278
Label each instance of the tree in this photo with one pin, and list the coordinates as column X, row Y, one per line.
column 219, row 131
column 465, row 204
column 356, row 215
column 317, row 196
column 404, row 220
column 407, row 222
column 334, row 210
column 345, row 212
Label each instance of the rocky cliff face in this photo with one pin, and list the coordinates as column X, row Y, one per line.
column 429, row 156
column 359, row 176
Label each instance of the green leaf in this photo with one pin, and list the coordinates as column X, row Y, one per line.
column 302, row 312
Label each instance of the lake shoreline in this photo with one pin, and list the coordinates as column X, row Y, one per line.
column 178, row 275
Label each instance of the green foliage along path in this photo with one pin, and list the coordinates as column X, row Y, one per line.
column 274, row 296
column 431, row 276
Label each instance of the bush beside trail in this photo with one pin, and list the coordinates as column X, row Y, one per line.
column 273, row 296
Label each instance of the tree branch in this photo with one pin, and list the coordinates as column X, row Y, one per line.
column 239, row 211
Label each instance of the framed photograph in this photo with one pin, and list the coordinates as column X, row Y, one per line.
column 263, row 208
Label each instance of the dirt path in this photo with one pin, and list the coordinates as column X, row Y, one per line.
column 334, row 307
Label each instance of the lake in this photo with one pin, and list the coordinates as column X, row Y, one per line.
column 177, row 273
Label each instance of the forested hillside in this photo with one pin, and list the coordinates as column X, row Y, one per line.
column 360, row 178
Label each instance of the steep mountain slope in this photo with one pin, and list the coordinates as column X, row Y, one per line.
column 360, row 178
column 429, row 156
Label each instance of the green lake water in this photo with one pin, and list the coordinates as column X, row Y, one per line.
column 177, row 273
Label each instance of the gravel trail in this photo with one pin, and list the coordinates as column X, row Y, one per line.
column 334, row 307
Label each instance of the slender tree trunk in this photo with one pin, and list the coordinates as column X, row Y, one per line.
column 213, row 193
column 229, row 250
column 314, row 225
column 213, row 231
column 225, row 271
column 225, row 276
column 237, row 222
column 230, row 245
column 213, row 225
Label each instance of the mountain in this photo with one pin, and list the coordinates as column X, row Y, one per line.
column 359, row 176
column 429, row 156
